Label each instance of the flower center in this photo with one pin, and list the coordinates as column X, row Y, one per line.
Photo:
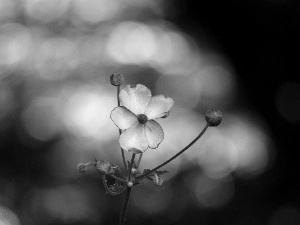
column 142, row 118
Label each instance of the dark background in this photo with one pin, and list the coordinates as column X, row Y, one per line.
column 262, row 40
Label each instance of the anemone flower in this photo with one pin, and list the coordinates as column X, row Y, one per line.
column 136, row 118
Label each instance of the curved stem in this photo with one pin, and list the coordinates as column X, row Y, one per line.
column 122, row 150
column 175, row 156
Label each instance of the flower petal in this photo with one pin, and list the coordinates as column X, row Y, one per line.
column 154, row 134
column 158, row 107
column 123, row 118
column 135, row 99
column 134, row 139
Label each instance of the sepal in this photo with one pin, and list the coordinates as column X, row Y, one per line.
column 105, row 167
column 155, row 176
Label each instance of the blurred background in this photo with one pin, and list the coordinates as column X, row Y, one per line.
column 55, row 100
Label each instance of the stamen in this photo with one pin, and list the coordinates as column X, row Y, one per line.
column 142, row 118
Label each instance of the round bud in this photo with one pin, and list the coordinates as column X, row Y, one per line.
column 129, row 184
column 213, row 117
column 116, row 79
column 134, row 171
column 158, row 181
column 82, row 168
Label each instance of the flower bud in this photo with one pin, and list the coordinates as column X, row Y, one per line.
column 213, row 117
column 105, row 167
column 134, row 171
column 129, row 184
column 82, row 168
column 116, row 79
column 158, row 181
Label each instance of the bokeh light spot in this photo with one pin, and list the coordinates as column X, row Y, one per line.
column 15, row 42
column 185, row 90
column 217, row 85
column 40, row 118
column 8, row 217
column 46, row 11
column 132, row 42
column 210, row 86
column 94, row 11
column 249, row 142
column 176, row 54
column 8, row 9
column 87, row 112
column 56, row 58
column 216, row 157
column 208, row 192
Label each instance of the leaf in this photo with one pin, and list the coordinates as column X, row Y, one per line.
column 159, row 172
column 155, row 176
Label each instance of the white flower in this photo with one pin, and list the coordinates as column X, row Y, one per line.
column 136, row 118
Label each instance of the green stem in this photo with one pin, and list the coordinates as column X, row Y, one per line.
column 120, row 132
column 175, row 156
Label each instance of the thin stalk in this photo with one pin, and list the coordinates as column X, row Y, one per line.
column 130, row 167
column 125, row 206
column 175, row 156
column 127, row 196
column 120, row 132
column 139, row 161
column 117, row 178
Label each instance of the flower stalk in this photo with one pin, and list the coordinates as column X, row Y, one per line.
column 128, row 192
column 175, row 156
column 130, row 168
column 120, row 131
column 125, row 206
column 139, row 161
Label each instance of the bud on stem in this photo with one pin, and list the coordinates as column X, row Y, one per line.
column 116, row 79
column 213, row 117
column 82, row 168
